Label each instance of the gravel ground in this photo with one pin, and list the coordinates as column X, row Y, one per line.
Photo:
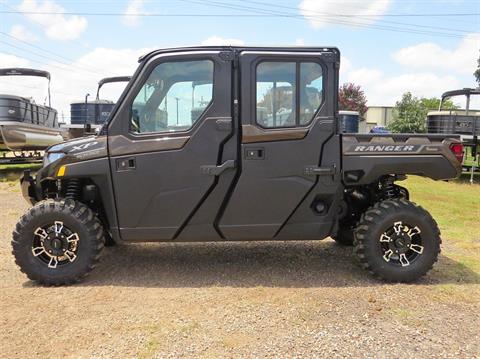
column 296, row 299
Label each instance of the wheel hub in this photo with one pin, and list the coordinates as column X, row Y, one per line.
column 55, row 244
column 401, row 244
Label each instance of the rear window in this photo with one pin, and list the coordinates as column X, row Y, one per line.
column 288, row 94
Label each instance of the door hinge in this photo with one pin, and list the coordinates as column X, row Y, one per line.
column 227, row 55
column 320, row 171
column 217, row 170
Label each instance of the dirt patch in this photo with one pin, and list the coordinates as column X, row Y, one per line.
column 234, row 299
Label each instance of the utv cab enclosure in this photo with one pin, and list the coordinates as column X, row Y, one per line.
column 230, row 144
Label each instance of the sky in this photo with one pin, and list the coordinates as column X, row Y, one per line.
column 388, row 47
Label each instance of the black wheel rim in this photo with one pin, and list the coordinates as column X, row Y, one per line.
column 55, row 245
column 401, row 244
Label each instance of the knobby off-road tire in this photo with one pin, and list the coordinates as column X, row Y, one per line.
column 58, row 242
column 397, row 240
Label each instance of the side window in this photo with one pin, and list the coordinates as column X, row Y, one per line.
column 277, row 92
column 311, row 87
column 173, row 98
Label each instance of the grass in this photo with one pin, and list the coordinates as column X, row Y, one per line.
column 32, row 166
column 455, row 205
column 469, row 160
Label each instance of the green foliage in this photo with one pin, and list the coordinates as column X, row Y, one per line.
column 352, row 98
column 410, row 113
column 432, row 104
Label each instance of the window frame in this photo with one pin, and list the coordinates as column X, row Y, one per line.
column 298, row 61
column 147, row 76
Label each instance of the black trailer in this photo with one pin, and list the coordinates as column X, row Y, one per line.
column 464, row 122
column 24, row 124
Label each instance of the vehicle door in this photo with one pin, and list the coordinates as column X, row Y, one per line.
column 289, row 148
column 167, row 145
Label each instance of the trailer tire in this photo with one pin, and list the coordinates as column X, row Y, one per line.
column 397, row 240
column 58, row 242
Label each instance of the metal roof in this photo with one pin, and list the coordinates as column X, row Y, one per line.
column 464, row 91
column 18, row 71
column 241, row 48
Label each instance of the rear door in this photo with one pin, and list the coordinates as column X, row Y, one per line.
column 289, row 148
column 173, row 147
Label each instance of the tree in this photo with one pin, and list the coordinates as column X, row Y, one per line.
column 410, row 113
column 433, row 104
column 477, row 71
column 352, row 98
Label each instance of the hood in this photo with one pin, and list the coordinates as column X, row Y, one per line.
column 82, row 148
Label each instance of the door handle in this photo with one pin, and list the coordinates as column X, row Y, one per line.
column 254, row 153
column 217, row 170
column 125, row 164
column 320, row 171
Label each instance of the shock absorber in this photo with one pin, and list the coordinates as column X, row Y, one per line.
column 389, row 190
column 73, row 189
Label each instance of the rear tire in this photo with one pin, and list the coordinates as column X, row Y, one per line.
column 397, row 240
column 58, row 242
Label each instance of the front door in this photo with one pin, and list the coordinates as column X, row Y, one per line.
column 173, row 147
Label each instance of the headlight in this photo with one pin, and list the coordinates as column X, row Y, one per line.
column 51, row 157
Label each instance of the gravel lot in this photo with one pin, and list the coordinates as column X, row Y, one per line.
column 299, row 299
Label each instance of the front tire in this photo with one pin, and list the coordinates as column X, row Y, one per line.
column 58, row 242
column 397, row 240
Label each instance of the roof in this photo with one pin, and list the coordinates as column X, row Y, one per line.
column 18, row 71
column 107, row 80
column 464, row 92
column 241, row 48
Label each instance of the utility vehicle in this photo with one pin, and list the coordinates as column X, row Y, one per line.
column 232, row 144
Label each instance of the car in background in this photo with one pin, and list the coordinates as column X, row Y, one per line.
column 379, row 129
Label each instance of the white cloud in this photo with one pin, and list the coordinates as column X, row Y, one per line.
column 345, row 65
column 384, row 90
column 430, row 56
column 134, row 8
column 322, row 13
column 21, row 33
column 56, row 26
column 216, row 40
column 13, row 61
column 428, row 70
